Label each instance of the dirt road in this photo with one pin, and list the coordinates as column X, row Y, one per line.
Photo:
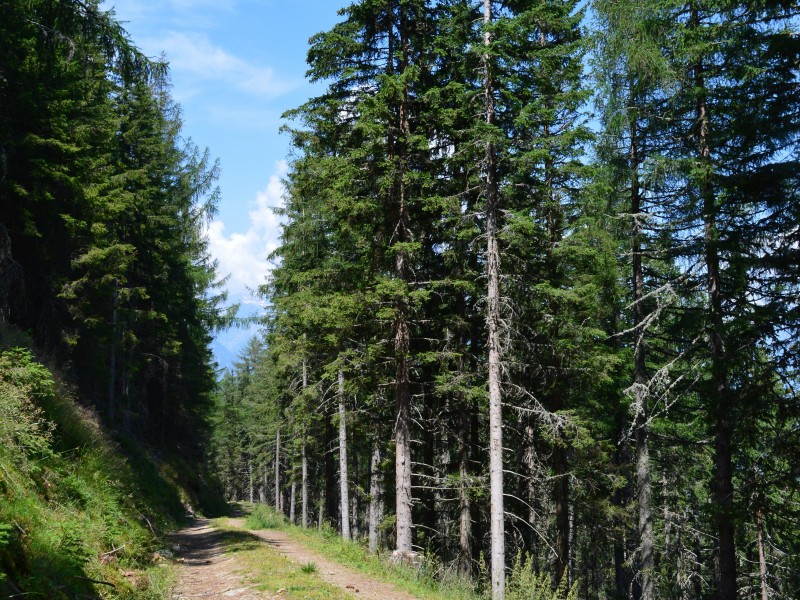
column 206, row 571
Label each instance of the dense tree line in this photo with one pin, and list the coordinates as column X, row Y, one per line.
column 102, row 211
column 542, row 268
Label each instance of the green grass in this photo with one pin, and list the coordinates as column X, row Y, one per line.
column 271, row 572
column 309, row 568
column 431, row 580
column 82, row 514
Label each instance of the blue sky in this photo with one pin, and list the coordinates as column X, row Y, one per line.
column 236, row 66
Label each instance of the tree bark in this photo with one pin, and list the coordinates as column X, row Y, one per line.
column 496, row 517
column 762, row 557
column 561, row 501
column 722, row 488
column 292, row 496
column 402, row 339
column 252, row 485
column 304, row 459
column 645, row 590
column 344, row 496
column 304, row 493
column 375, row 497
column 464, row 504
column 278, row 469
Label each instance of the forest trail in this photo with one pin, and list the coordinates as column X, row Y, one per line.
column 206, row 571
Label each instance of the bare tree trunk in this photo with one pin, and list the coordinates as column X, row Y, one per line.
column 304, row 459
column 441, row 467
column 496, row 515
column 354, row 525
column 292, row 496
column 529, row 466
column 722, row 489
column 344, row 496
column 252, row 486
column 464, row 504
column 641, row 424
column 262, row 494
column 561, row 500
column 278, row 470
column 762, row 557
column 402, row 341
column 304, row 467
column 375, row 497
column 321, row 517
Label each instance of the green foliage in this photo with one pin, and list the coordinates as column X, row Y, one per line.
column 524, row 583
column 74, row 506
column 265, row 517
column 24, row 384
column 308, row 567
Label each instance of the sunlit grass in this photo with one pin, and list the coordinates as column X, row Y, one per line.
column 430, row 580
column 268, row 571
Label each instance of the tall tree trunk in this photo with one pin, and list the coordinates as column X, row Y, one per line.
column 375, row 497
column 440, row 515
column 292, row 496
column 561, row 501
column 641, row 424
column 264, row 484
column 623, row 575
column 762, row 557
column 278, row 469
column 722, row 492
column 464, row 504
column 496, row 516
column 529, row 492
column 331, row 494
column 304, row 459
column 304, row 493
column 402, row 340
column 344, row 495
column 252, row 483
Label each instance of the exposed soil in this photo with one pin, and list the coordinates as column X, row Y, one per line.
column 206, row 571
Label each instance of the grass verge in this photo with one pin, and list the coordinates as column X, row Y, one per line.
column 269, row 571
column 431, row 580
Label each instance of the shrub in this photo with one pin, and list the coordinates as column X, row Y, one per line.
column 524, row 584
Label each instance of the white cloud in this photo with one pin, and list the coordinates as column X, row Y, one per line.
column 194, row 55
column 243, row 255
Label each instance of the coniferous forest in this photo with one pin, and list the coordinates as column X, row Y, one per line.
column 102, row 211
column 534, row 311
column 536, row 296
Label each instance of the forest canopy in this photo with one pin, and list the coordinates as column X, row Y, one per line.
column 537, row 293
column 103, row 206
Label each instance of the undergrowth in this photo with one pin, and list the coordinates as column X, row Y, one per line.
column 81, row 514
column 429, row 579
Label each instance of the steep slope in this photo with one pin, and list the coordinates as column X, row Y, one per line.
column 82, row 513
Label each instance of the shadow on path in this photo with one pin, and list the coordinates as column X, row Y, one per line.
column 206, row 563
